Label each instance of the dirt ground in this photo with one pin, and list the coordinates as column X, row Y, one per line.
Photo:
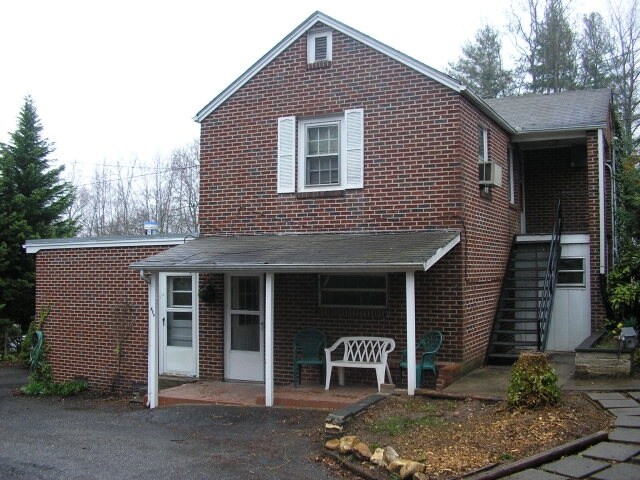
column 453, row 437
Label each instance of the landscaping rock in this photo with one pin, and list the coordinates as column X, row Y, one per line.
column 389, row 455
column 347, row 443
column 362, row 451
column 378, row 457
column 397, row 464
column 411, row 468
column 332, row 444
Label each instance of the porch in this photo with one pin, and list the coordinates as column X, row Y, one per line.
column 252, row 394
column 253, row 333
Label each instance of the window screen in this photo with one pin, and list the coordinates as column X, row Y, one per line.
column 361, row 291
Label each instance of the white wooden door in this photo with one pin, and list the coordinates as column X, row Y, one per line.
column 244, row 328
column 571, row 316
column 179, row 328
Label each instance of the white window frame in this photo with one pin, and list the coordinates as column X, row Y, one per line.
column 375, row 307
column 582, row 270
column 311, row 46
column 484, row 157
column 303, row 125
column 512, row 188
column 485, row 147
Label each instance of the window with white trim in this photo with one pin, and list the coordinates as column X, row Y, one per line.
column 512, row 189
column 483, row 152
column 319, row 47
column 353, row 291
column 325, row 154
column 320, row 151
column 571, row 272
column 483, row 144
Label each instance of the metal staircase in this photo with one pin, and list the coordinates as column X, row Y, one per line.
column 524, row 310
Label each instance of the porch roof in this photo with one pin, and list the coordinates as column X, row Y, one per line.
column 382, row 252
column 572, row 110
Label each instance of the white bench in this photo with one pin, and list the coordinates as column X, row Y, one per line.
column 360, row 352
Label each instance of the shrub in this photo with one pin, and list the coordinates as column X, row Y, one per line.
column 533, row 382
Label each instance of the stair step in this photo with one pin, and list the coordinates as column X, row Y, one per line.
column 524, row 331
column 522, row 289
column 518, row 309
column 516, row 344
column 516, row 320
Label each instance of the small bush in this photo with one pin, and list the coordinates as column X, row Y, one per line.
column 44, row 388
column 534, row 382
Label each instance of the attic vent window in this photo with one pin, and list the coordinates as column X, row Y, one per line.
column 319, row 47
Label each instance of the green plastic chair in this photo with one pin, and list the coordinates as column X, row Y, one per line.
column 308, row 349
column 429, row 345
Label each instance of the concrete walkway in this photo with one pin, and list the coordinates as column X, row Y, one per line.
column 617, row 458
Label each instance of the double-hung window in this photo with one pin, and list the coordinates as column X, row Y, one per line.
column 483, row 147
column 321, row 153
column 318, row 154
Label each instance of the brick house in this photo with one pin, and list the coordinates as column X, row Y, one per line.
column 348, row 187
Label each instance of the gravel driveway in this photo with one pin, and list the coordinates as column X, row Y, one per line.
column 85, row 438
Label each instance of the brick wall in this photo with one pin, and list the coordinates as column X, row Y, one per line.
column 87, row 289
column 420, row 173
column 550, row 176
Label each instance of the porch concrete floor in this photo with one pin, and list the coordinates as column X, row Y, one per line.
column 241, row 393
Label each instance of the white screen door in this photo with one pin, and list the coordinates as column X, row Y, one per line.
column 244, row 332
column 179, row 328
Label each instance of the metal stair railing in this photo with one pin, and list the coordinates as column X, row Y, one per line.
column 545, row 304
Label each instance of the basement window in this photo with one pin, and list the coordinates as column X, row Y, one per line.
column 319, row 47
column 354, row 291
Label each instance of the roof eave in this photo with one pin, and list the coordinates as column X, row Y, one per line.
column 285, row 268
column 487, row 110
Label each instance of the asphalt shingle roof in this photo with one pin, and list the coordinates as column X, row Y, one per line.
column 578, row 109
column 306, row 252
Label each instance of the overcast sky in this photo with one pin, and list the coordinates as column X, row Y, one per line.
column 121, row 80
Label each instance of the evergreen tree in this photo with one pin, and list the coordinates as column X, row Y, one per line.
column 596, row 49
column 33, row 200
column 547, row 60
column 480, row 66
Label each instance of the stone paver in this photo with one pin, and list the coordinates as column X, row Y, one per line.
column 575, row 466
column 620, row 471
column 533, row 474
column 619, row 412
column 616, row 452
column 627, row 435
column 606, row 396
column 626, row 421
column 635, row 395
column 624, row 403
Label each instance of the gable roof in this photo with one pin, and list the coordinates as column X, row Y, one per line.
column 410, row 62
column 571, row 110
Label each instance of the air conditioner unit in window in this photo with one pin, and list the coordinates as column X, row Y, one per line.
column 490, row 173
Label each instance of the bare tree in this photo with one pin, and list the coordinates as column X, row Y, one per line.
column 120, row 198
column 626, row 64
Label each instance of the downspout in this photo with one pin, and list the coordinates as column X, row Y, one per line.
column 601, row 195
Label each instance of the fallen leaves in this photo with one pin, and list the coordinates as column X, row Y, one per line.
column 456, row 437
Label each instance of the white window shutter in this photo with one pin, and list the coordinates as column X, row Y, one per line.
column 286, row 154
column 354, row 120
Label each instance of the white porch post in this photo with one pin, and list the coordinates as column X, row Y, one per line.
column 152, row 342
column 268, row 341
column 411, row 332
